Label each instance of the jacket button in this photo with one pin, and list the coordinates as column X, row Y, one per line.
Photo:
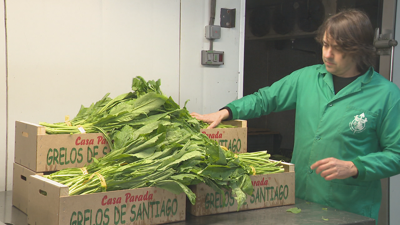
column 330, row 105
column 310, row 171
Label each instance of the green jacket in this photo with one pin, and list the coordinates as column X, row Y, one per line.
column 361, row 123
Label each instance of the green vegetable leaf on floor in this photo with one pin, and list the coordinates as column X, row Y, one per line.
column 294, row 210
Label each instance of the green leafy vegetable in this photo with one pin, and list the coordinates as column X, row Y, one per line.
column 294, row 210
column 155, row 143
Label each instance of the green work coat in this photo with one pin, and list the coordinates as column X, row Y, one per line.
column 361, row 123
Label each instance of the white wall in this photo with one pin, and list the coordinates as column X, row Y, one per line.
column 67, row 53
column 210, row 88
column 3, row 99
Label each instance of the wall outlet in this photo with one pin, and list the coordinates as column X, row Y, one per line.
column 211, row 57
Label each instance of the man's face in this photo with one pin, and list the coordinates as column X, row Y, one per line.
column 336, row 61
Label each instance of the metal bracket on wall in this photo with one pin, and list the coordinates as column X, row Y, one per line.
column 383, row 42
column 228, row 18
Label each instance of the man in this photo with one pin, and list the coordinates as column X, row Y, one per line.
column 347, row 129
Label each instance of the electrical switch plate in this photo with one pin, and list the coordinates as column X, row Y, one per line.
column 228, row 17
column 213, row 32
column 212, row 58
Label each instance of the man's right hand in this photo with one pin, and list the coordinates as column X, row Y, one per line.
column 212, row 118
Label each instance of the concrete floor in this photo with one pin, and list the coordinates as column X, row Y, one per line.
column 9, row 215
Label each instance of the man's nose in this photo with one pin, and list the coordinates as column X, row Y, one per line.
column 328, row 53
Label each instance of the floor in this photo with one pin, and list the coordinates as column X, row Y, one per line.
column 9, row 215
column 311, row 214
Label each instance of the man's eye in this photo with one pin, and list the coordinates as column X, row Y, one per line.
column 338, row 49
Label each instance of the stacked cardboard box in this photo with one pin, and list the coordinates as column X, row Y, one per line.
column 270, row 190
column 21, row 176
column 39, row 153
column 235, row 139
column 47, row 202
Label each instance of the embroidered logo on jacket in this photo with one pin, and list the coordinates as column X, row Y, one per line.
column 358, row 124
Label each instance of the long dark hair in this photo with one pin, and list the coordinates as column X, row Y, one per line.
column 352, row 31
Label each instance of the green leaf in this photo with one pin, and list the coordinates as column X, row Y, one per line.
column 219, row 172
column 122, row 137
column 148, row 102
column 149, row 143
column 148, row 119
column 177, row 188
column 216, row 154
column 114, row 101
column 294, row 210
column 146, row 129
column 246, row 185
column 145, row 153
column 187, row 179
column 183, row 158
column 240, row 196
column 213, row 185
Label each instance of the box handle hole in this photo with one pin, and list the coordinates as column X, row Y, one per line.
column 25, row 134
column 43, row 192
column 23, row 177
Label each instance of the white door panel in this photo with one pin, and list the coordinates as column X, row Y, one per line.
column 208, row 88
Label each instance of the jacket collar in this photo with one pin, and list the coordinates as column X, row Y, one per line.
column 365, row 78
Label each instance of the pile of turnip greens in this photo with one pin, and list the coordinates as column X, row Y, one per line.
column 155, row 143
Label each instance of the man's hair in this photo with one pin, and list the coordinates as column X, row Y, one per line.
column 352, row 31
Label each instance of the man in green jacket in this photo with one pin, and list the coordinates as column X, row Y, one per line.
column 347, row 129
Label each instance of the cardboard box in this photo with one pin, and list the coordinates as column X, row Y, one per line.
column 43, row 152
column 49, row 204
column 21, row 176
column 269, row 190
column 235, row 139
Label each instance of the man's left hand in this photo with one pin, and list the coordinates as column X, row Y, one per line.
column 332, row 168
